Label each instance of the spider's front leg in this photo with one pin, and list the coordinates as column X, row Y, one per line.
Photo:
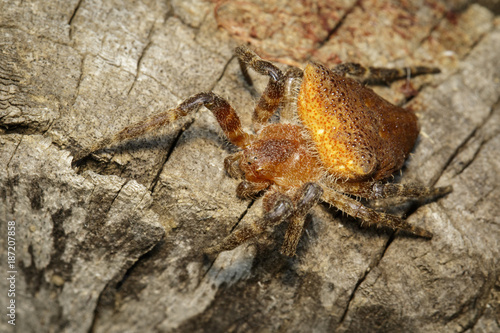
column 272, row 95
column 222, row 110
column 355, row 209
column 280, row 208
column 307, row 196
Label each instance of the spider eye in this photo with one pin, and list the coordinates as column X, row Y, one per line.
column 251, row 159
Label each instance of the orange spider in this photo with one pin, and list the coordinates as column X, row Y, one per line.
column 345, row 142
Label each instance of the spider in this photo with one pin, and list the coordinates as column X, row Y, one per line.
column 337, row 141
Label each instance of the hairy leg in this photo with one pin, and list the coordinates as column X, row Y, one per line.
column 271, row 98
column 293, row 80
column 378, row 190
column 355, row 209
column 379, row 75
column 307, row 196
column 222, row 110
column 281, row 208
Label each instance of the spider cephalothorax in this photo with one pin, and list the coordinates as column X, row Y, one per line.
column 341, row 141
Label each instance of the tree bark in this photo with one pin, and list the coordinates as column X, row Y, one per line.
column 116, row 243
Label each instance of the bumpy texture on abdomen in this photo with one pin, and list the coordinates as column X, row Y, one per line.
column 357, row 134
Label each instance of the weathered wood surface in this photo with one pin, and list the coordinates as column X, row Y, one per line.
column 117, row 245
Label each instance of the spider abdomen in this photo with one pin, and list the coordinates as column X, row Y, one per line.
column 357, row 134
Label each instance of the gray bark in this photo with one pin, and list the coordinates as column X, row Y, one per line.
column 116, row 244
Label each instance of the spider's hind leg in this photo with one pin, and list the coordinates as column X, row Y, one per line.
column 379, row 190
column 356, row 209
column 380, row 75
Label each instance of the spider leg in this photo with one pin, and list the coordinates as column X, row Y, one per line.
column 293, row 80
column 280, row 209
column 307, row 196
column 378, row 190
column 222, row 110
column 272, row 95
column 380, row 75
column 355, row 209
